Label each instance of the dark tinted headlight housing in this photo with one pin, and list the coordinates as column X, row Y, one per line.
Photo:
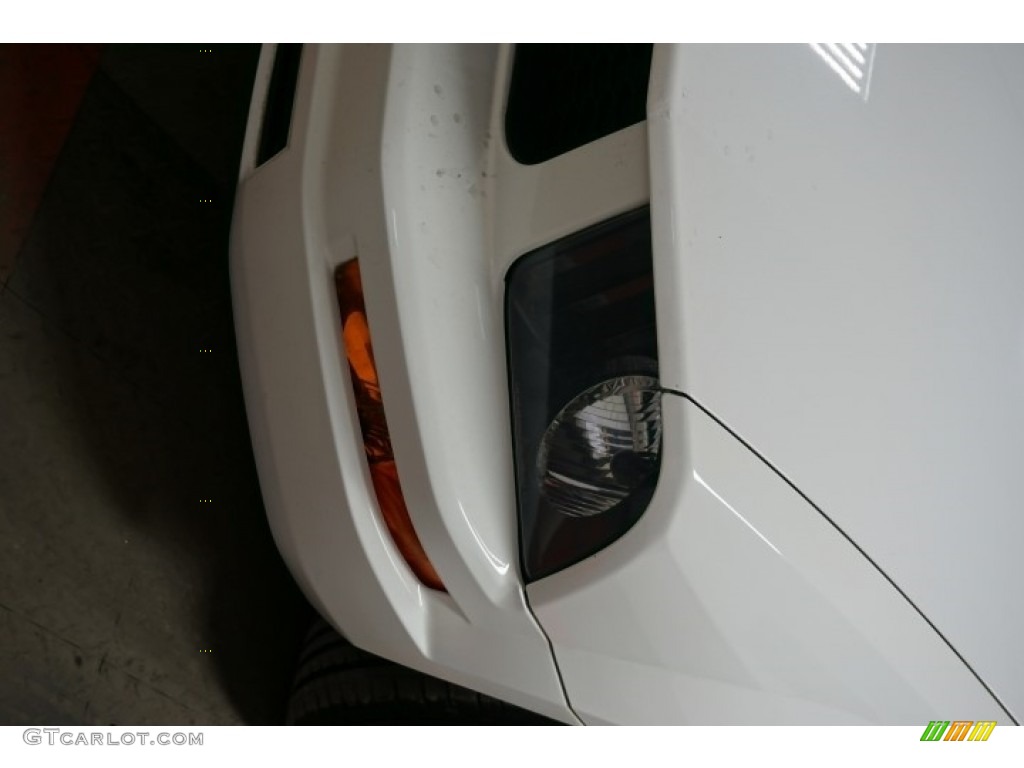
column 586, row 403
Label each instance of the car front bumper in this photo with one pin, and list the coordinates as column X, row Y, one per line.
column 340, row 190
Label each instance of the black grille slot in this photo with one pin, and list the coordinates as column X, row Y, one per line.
column 563, row 96
column 277, row 115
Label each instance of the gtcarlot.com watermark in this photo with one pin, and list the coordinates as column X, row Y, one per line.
column 70, row 737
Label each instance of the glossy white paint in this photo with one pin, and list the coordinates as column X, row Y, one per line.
column 819, row 262
column 459, row 210
column 840, row 281
column 733, row 601
column 359, row 177
column 533, row 205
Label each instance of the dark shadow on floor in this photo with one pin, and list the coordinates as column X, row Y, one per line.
column 128, row 272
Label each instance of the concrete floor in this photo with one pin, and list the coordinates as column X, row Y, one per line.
column 125, row 597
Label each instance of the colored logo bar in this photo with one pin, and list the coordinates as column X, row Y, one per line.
column 958, row 730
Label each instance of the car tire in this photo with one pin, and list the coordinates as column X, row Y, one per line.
column 339, row 684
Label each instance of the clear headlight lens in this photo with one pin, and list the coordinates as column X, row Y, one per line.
column 601, row 447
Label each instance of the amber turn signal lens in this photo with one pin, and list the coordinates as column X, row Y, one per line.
column 374, row 426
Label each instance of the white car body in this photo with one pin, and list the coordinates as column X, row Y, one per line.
column 835, row 536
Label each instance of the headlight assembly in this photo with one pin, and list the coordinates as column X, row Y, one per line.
column 586, row 403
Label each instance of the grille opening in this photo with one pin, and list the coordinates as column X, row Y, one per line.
column 277, row 115
column 563, row 96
